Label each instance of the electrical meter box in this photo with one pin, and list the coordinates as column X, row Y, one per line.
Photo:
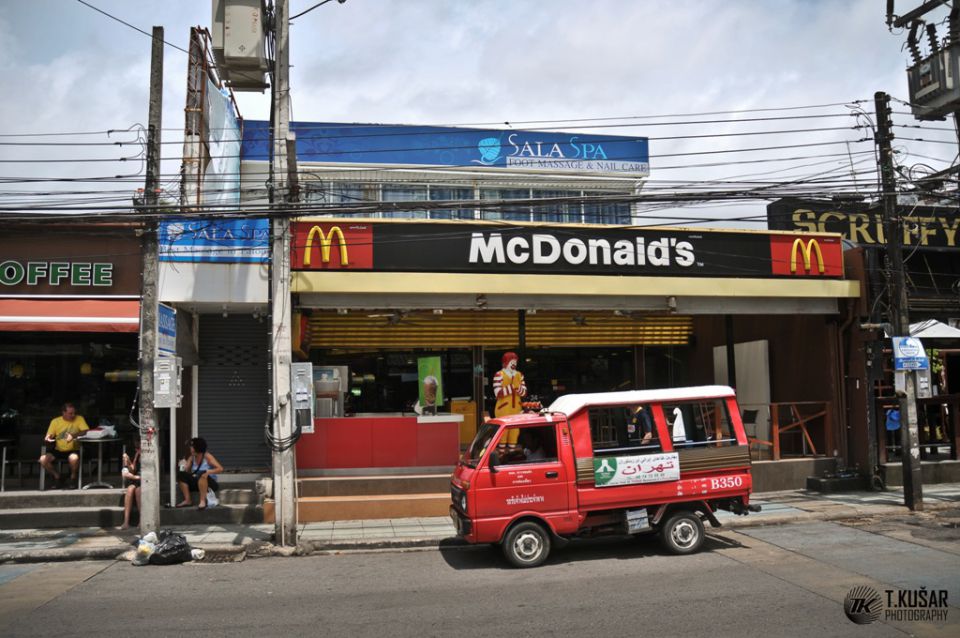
column 935, row 85
column 301, row 385
column 924, row 385
column 166, row 382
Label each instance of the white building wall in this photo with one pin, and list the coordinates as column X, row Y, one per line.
column 204, row 285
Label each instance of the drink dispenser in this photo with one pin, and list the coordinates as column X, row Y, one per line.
column 330, row 384
column 301, row 379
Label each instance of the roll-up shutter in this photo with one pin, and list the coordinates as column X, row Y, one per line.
column 493, row 328
column 552, row 329
column 233, row 389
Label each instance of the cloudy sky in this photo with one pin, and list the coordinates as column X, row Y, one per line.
column 68, row 68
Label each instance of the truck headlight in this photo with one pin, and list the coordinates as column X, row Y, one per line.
column 463, row 502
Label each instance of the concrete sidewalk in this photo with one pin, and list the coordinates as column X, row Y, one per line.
column 234, row 542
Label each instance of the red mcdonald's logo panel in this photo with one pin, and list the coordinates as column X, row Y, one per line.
column 331, row 246
column 806, row 255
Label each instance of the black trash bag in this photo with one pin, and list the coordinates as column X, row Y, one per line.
column 172, row 548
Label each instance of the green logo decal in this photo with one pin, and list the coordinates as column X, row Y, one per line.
column 604, row 470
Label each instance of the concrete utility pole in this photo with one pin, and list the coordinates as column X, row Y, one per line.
column 149, row 439
column 899, row 308
column 284, row 465
column 190, row 191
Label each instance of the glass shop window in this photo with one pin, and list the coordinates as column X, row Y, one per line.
column 704, row 423
column 558, row 212
column 518, row 213
column 449, row 194
column 404, row 193
column 623, row 430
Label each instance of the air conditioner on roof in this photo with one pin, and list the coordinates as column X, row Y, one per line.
column 239, row 37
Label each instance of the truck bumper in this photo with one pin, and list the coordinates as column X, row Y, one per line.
column 462, row 524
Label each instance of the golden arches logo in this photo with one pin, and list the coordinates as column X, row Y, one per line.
column 326, row 243
column 807, row 249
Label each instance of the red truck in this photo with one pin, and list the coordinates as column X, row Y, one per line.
column 641, row 461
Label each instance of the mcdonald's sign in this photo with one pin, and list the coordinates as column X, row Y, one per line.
column 339, row 246
column 806, row 256
column 326, row 242
column 806, row 248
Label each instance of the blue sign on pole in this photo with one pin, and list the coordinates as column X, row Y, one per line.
column 908, row 354
column 166, row 330
column 451, row 146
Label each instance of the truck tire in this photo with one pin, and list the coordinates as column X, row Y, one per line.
column 682, row 533
column 527, row 544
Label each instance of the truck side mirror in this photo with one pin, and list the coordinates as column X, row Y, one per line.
column 493, row 462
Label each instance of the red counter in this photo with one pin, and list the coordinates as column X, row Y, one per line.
column 381, row 441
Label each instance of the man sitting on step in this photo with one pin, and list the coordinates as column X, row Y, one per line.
column 62, row 444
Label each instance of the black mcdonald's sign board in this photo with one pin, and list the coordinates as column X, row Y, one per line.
column 927, row 227
column 345, row 245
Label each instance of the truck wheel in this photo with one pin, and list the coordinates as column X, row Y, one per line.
column 527, row 544
column 682, row 533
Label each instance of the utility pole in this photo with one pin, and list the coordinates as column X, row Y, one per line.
column 899, row 308
column 284, row 465
column 149, row 439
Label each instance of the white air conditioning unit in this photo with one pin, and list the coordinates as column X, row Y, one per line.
column 239, row 36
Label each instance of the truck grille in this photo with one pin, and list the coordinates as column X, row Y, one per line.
column 455, row 494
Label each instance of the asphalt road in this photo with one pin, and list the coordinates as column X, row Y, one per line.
column 764, row 581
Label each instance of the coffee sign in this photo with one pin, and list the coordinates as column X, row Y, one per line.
column 32, row 273
column 47, row 263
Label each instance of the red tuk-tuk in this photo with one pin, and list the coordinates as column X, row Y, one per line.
column 643, row 461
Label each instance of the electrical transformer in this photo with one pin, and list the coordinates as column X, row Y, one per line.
column 935, row 84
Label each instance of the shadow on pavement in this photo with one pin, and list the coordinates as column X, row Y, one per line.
column 465, row 557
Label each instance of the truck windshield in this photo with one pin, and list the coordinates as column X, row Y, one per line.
column 480, row 444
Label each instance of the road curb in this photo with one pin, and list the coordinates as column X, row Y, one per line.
column 213, row 553
column 108, row 552
column 222, row 553
column 306, row 548
column 835, row 513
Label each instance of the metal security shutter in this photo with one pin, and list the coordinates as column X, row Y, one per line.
column 494, row 328
column 233, row 389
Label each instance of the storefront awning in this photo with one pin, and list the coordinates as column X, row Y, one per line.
column 69, row 315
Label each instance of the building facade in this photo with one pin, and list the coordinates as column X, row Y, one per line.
column 546, row 258
column 931, row 241
column 69, row 322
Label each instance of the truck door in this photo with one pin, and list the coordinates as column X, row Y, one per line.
column 532, row 479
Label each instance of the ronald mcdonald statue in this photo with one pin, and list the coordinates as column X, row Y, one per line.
column 509, row 389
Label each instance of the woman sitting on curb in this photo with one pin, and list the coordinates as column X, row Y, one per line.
column 131, row 472
column 198, row 472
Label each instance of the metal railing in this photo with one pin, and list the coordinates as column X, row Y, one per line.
column 797, row 428
column 938, row 428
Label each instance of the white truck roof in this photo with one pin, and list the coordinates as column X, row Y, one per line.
column 570, row 404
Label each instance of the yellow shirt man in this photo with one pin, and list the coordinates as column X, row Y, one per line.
column 70, row 424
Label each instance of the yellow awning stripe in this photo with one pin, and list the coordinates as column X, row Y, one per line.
column 456, row 283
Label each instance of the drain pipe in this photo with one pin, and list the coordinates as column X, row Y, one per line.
column 842, row 352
